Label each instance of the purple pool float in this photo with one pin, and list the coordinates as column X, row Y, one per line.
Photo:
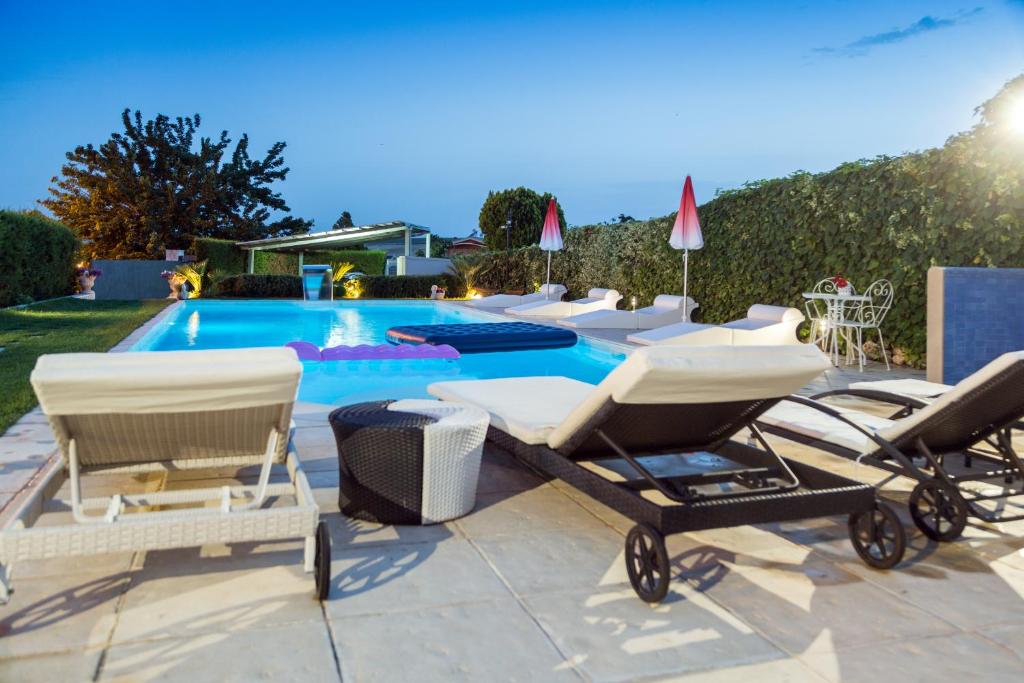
column 308, row 351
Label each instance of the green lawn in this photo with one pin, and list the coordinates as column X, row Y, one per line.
column 61, row 326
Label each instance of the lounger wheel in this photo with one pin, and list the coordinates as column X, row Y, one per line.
column 878, row 536
column 322, row 561
column 938, row 510
column 647, row 563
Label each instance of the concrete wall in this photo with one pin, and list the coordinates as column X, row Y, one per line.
column 974, row 316
column 132, row 279
column 417, row 265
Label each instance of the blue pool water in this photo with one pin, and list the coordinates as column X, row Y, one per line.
column 238, row 324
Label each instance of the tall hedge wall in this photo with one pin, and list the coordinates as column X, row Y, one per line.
column 273, row 263
column 37, row 257
column 889, row 217
column 222, row 256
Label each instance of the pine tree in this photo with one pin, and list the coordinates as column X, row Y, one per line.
column 344, row 221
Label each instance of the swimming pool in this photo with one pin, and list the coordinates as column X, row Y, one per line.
column 237, row 324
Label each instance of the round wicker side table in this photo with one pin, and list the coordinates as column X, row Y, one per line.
column 408, row 462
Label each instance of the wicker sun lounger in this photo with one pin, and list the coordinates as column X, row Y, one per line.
column 958, row 445
column 179, row 410
column 654, row 441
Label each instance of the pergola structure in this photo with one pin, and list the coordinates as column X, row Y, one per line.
column 336, row 239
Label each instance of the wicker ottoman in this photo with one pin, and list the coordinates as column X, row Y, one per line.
column 408, row 462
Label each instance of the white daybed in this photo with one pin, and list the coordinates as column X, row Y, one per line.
column 665, row 310
column 597, row 299
column 763, row 326
column 546, row 293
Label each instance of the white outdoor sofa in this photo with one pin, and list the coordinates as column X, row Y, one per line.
column 763, row 326
column 546, row 293
column 164, row 411
column 665, row 310
column 597, row 299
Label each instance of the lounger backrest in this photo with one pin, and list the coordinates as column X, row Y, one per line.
column 675, row 398
column 776, row 314
column 168, row 407
column 553, row 292
column 607, row 294
column 669, row 302
column 991, row 398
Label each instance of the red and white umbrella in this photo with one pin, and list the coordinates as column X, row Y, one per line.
column 551, row 236
column 686, row 233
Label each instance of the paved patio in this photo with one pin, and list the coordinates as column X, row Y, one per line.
column 531, row 586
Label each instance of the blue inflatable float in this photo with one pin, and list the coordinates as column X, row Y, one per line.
column 481, row 337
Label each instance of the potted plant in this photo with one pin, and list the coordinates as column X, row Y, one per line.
column 87, row 278
column 174, row 280
column 843, row 285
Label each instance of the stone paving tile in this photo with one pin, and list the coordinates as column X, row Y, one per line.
column 495, row 640
column 610, row 635
column 187, row 595
column 813, row 605
column 501, row 473
column 958, row 657
column 545, row 561
column 1009, row 636
column 70, row 667
column 775, row 671
column 536, row 509
column 60, row 613
column 397, row 578
column 286, row 652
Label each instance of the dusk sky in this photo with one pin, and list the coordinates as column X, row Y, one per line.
column 415, row 110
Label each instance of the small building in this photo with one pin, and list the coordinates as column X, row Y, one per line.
column 464, row 246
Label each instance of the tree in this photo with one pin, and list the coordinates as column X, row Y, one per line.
column 526, row 209
column 622, row 219
column 344, row 221
column 157, row 186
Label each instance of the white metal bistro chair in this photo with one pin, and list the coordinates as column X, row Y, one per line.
column 822, row 314
column 867, row 316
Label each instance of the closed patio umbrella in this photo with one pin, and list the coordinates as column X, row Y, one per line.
column 551, row 236
column 686, row 233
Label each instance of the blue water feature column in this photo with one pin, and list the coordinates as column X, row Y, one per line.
column 974, row 316
column 317, row 283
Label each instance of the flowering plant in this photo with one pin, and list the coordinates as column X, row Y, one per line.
column 840, row 281
column 169, row 274
column 90, row 272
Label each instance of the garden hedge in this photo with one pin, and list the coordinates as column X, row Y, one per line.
column 222, row 256
column 889, row 217
column 408, row 286
column 246, row 286
column 37, row 257
column 280, row 263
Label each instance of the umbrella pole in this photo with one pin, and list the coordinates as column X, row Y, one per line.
column 686, row 274
column 549, row 270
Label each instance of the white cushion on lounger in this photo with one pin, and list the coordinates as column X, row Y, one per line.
column 165, row 381
column 816, row 425
column 527, row 408
column 966, row 385
column 697, row 375
column 916, row 388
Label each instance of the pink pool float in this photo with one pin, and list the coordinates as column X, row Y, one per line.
column 308, row 351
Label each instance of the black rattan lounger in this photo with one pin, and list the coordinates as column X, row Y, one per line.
column 958, row 446
column 654, row 442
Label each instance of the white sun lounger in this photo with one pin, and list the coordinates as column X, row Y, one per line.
column 665, row 310
column 763, row 326
column 163, row 411
column 596, row 300
column 546, row 293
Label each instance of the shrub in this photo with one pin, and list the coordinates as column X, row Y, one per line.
column 409, row 286
column 527, row 209
column 36, row 257
column 222, row 257
column 246, row 286
column 281, row 263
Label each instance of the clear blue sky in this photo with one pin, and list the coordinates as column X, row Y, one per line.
column 415, row 110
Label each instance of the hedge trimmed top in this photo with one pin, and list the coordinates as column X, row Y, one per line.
column 36, row 257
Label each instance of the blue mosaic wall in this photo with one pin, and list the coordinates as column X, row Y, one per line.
column 983, row 312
